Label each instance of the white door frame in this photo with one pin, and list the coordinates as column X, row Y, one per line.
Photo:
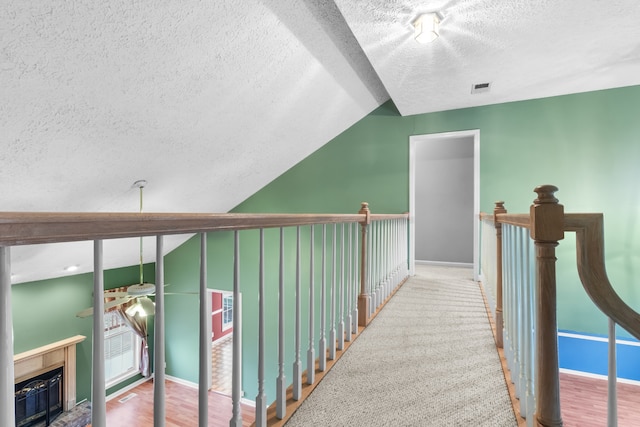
column 416, row 139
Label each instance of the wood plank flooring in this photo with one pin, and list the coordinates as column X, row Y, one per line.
column 181, row 408
column 583, row 402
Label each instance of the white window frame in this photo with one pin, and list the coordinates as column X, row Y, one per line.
column 117, row 329
column 227, row 312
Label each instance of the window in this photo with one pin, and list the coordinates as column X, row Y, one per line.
column 227, row 311
column 121, row 349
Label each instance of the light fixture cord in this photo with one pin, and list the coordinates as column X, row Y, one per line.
column 141, row 247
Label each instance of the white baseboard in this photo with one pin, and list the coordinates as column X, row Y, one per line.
column 446, row 264
column 181, row 381
column 597, row 376
column 186, row 383
column 127, row 388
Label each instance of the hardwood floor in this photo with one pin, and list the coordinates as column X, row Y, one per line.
column 181, row 408
column 583, row 402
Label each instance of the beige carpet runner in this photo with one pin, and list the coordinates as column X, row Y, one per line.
column 428, row 359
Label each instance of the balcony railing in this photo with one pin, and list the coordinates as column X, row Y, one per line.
column 518, row 269
column 354, row 263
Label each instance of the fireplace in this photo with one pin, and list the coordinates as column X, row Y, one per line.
column 39, row 399
column 41, row 366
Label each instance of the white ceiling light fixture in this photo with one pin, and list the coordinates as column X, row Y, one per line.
column 427, row 27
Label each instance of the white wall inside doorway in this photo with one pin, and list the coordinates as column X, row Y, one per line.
column 444, row 155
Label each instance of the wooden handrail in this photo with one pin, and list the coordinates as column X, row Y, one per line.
column 20, row 228
column 591, row 269
column 519, row 220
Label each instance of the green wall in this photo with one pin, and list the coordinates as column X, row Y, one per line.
column 45, row 312
column 586, row 144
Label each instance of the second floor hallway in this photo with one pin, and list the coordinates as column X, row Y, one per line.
column 427, row 359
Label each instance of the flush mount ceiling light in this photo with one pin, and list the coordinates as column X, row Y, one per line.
column 426, row 27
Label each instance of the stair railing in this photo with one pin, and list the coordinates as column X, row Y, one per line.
column 360, row 270
column 521, row 284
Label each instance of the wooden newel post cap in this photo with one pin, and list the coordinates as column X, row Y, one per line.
column 545, row 194
column 364, row 210
column 547, row 215
column 498, row 209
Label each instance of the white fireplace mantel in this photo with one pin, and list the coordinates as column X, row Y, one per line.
column 51, row 356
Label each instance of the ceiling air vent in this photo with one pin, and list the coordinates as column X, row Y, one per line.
column 480, row 87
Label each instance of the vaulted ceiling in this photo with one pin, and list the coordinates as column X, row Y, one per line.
column 210, row 101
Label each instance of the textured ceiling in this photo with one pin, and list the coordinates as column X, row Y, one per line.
column 210, row 101
column 525, row 49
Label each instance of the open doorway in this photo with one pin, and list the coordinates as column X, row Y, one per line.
column 221, row 341
column 449, row 163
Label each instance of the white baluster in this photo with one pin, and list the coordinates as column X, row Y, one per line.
column 281, row 385
column 7, row 389
column 341, row 319
column 356, row 278
column 159, row 409
column 236, row 364
column 204, row 361
column 322, row 345
column 506, row 294
column 261, row 402
column 612, row 400
column 349, row 286
column 311, row 355
column 531, row 397
column 378, row 261
column 297, row 369
column 372, row 265
column 517, row 336
column 98, row 390
column 332, row 331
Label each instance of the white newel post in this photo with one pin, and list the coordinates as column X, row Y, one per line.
column 7, row 409
column 159, row 409
column 98, row 391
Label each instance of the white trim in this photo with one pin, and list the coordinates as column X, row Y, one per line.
column 181, row 381
column 446, row 264
column 190, row 384
column 413, row 140
column 126, row 389
column 412, row 205
column 599, row 339
column 597, row 376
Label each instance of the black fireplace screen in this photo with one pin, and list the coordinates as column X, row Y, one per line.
column 39, row 399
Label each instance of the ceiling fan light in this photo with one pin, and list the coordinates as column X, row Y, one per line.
column 135, row 309
column 426, row 28
column 147, row 305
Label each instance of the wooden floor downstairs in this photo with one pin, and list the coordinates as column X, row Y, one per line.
column 583, row 402
column 181, row 407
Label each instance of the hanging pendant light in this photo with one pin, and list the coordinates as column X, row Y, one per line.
column 143, row 305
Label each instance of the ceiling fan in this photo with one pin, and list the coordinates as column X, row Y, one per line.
column 140, row 292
